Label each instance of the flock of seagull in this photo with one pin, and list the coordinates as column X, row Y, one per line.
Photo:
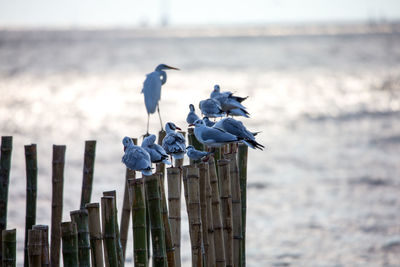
column 210, row 133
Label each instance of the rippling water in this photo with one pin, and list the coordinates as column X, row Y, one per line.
column 324, row 193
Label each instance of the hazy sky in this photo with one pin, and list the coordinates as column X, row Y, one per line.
column 187, row 12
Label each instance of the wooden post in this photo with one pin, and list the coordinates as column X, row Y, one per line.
column 174, row 204
column 160, row 167
column 5, row 166
column 88, row 170
column 242, row 160
column 57, row 203
column 203, row 172
column 31, row 193
column 95, row 234
column 179, row 162
column 44, row 229
column 9, row 247
column 194, row 142
column 194, row 215
column 109, row 235
column 216, row 214
column 118, row 244
column 69, row 236
column 136, row 193
column 157, row 230
column 35, row 248
column 80, row 217
column 226, row 201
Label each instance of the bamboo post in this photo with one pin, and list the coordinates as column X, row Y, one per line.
column 9, row 247
column 95, row 234
column 109, row 235
column 126, row 208
column 203, row 172
column 5, row 166
column 44, row 229
column 219, row 246
column 69, row 236
column 226, row 202
column 136, row 192
column 88, row 170
column 118, row 244
column 80, row 217
column 236, row 208
column 179, row 162
column 194, row 215
column 31, row 193
column 35, row 247
column 194, row 142
column 57, row 203
column 174, row 204
column 157, row 230
column 160, row 167
column 184, row 180
column 242, row 161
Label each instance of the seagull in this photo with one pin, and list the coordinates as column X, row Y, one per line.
column 135, row 157
column 195, row 154
column 174, row 142
column 238, row 112
column 152, row 90
column 217, row 93
column 237, row 128
column 192, row 116
column 156, row 152
column 211, row 108
column 211, row 136
column 230, row 102
column 208, row 122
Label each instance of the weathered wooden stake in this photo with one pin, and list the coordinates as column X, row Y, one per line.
column 174, row 204
column 9, row 247
column 45, row 243
column 136, row 193
column 69, row 236
column 88, row 170
column 179, row 162
column 194, row 142
column 57, row 203
column 35, row 248
column 31, row 193
column 160, row 167
column 157, row 229
column 109, row 235
column 95, row 234
column 242, row 160
column 5, row 166
column 226, row 201
column 80, row 217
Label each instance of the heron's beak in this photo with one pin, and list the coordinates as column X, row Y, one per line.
column 172, row 68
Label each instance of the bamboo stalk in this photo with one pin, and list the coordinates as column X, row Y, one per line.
column 226, row 202
column 157, row 230
column 194, row 215
column 236, row 208
column 95, row 234
column 69, row 236
column 219, row 246
column 57, row 203
column 195, row 143
column 174, row 204
column 160, row 167
column 139, row 225
column 5, row 166
column 45, row 243
column 184, row 180
column 203, row 172
column 35, row 247
column 179, row 162
column 31, row 194
column 88, row 170
column 80, row 217
column 9, row 247
column 242, row 161
column 118, row 244
column 109, row 235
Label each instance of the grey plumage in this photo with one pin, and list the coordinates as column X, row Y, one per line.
column 174, row 142
column 192, row 116
column 196, row 154
column 211, row 108
column 156, row 152
column 136, row 158
column 208, row 122
column 211, row 136
column 229, row 103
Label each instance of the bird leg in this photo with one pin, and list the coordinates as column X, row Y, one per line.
column 148, row 120
column 172, row 161
column 159, row 115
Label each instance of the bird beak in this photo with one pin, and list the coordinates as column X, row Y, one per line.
column 191, row 124
column 172, row 68
column 178, row 128
column 124, row 148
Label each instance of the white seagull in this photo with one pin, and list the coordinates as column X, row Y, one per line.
column 195, row 154
column 152, row 90
column 192, row 116
column 213, row 137
column 156, row 152
column 135, row 157
column 237, row 128
column 174, row 142
column 211, row 108
column 229, row 103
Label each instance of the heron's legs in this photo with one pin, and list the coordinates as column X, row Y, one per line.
column 148, row 119
column 159, row 115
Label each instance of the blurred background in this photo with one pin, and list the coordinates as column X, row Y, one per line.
column 323, row 80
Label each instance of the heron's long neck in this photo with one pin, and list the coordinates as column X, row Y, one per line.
column 163, row 76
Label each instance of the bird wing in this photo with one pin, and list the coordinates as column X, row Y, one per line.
column 236, row 128
column 136, row 158
column 218, row 135
column 152, row 91
column 172, row 143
